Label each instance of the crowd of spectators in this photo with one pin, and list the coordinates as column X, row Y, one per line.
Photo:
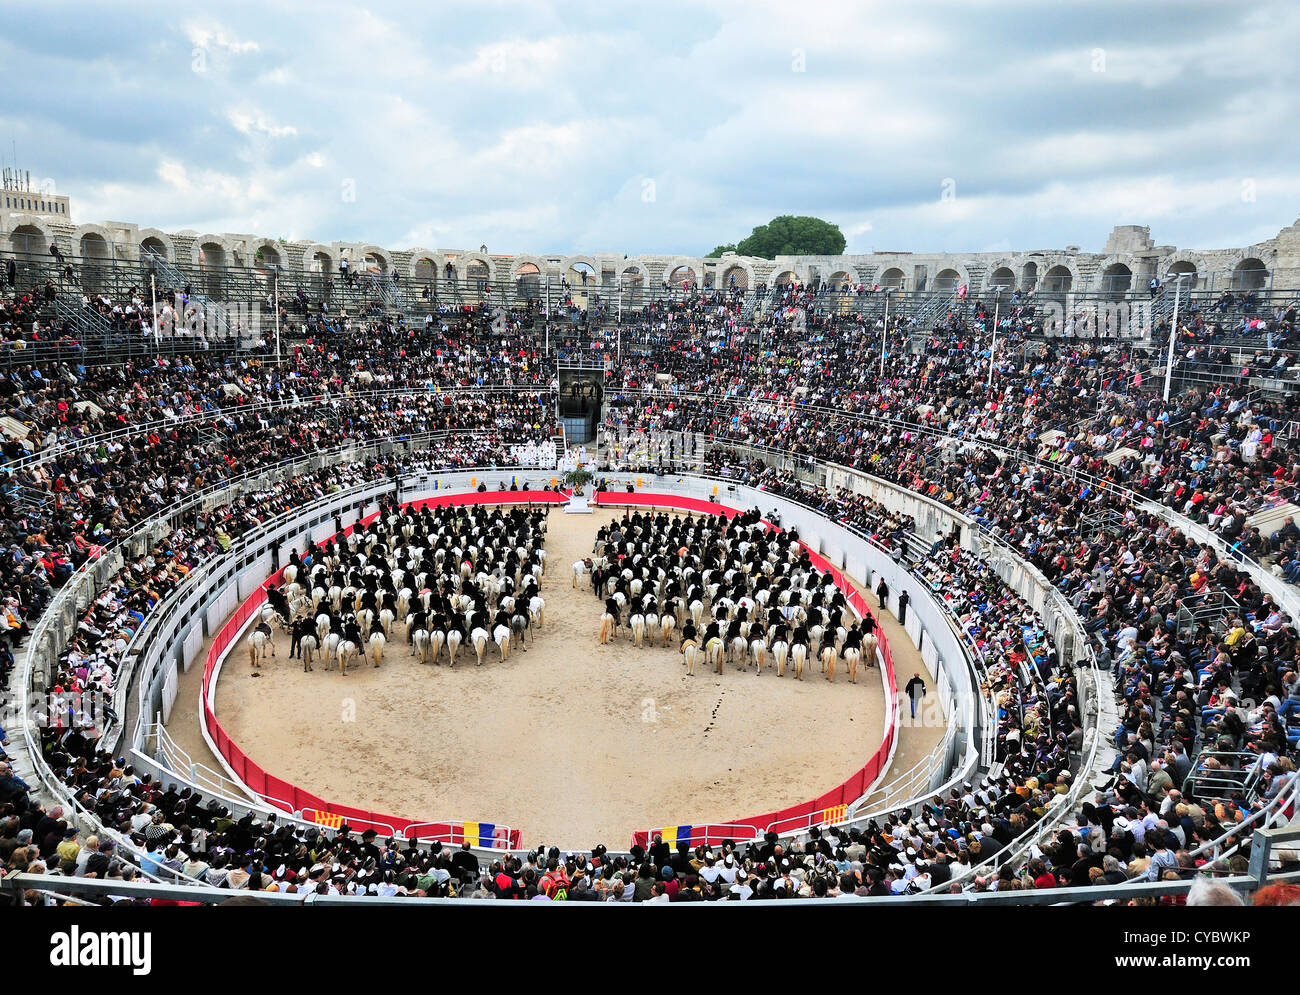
column 797, row 373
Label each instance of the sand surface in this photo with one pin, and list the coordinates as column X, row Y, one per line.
column 572, row 742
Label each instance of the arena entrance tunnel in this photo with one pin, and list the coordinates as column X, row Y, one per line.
column 581, row 398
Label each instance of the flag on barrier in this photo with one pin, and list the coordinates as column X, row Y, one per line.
column 834, row 813
column 327, row 819
column 479, row 833
column 676, row 834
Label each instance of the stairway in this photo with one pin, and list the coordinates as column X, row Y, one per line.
column 217, row 321
column 89, row 323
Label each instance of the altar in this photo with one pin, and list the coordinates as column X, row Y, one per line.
column 575, row 459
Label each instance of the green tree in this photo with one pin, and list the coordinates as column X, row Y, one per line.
column 793, row 236
column 717, row 253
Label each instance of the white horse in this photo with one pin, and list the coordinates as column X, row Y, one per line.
column 258, row 642
column 696, row 609
column 606, row 627
column 479, row 640
column 536, row 610
column 780, row 653
column 307, row 647
column 637, row 625
column 798, row 656
column 829, row 656
column 869, row 648
column 420, row 640
column 666, row 625
column 386, row 619
column 714, row 651
column 738, row 650
column 501, row 636
column 692, row 652
column 453, row 646
column 377, row 642
column 347, row 650
column 322, row 627
column 366, row 620
column 851, row 657
column 758, row 650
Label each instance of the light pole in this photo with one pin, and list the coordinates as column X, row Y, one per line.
column 275, row 303
column 1173, row 331
column 884, row 335
column 153, row 294
column 993, row 348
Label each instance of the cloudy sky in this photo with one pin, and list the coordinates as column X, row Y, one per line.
column 664, row 127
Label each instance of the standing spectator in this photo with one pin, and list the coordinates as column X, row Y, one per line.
column 915, row 691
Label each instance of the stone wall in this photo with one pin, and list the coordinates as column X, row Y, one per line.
column 1128, row 248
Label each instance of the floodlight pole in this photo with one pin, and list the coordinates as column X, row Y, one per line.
column 884, row 335
column 1173, row 333
column 153, row 293
column 275, row 303
column 993, row 348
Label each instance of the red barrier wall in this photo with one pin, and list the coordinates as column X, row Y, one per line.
column 822, row 809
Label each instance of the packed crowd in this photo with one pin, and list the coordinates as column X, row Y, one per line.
column 806, row 383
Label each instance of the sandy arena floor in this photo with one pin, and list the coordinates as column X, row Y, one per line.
column 572, row 742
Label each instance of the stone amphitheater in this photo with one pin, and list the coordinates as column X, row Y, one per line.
column 29, row 224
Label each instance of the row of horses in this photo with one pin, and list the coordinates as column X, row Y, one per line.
column 742, row 576
column 420, row 569
column 322, row 643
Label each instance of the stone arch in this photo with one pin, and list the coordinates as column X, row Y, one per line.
column 272, row 254
column 843, row 275
column 475, row 262
column 1002, row 276
column 784, row 277
column 1115, row 277
column 212, row 255
column 93, row 243
column 156, row 241
column 569, row 269
column 742, row 271
column 528, row 274
column 678, row 262
column 373, row 259
column 640, row 280
column 680, row 274
column 892, row 278
column 1250, row 273
column 318, row 260
column 1029, row 274
column 1185, row 262
column 1059, row 278
column 213, row 250
column 425, row 265
column 30, row 234
column 948, row 279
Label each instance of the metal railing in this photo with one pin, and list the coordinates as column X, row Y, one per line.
column 81, row 889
